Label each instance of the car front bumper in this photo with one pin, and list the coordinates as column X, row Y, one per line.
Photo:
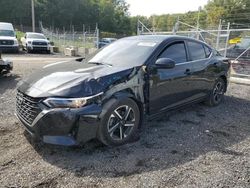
column 9, row 48
column 68, row 127
column 6, row 65
column 38, row 48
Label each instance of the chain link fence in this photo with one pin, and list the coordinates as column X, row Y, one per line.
column 84, row 42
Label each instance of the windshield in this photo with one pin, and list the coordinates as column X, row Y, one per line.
column 244, row 44
column 124, row 52
column 7, row 33
column 35, row 36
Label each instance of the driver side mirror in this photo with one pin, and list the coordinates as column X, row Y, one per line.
column 165, row 63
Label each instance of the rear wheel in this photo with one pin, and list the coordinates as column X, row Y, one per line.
column 120, row 122
column 216, row 96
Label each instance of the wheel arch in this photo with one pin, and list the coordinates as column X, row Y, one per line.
column 128, row 93
column 224, row 78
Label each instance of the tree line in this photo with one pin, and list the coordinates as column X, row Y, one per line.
column 113, row 15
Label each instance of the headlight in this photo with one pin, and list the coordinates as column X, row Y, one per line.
column 15, row 42
column 69, row 102
column 29, row 42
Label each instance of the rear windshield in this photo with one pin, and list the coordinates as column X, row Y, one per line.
column 35, row 36
column 7, row 33
column 124, row 52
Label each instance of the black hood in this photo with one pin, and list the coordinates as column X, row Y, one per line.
column 73, row 79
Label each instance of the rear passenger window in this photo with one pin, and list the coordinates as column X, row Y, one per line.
column 176, row 52
column 197, row 51
column 208, row 51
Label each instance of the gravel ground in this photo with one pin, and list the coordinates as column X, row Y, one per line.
column 242, row 67
column 194, row 147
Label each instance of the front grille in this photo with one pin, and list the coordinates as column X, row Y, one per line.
column 39, row 43
column 27, row 108
column 6, row 42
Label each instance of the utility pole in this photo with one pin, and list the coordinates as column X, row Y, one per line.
column 218, row 35
column 33, row 15
column 228, row 35
column 198, row 23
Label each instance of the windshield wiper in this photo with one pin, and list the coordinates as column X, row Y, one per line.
column 99, row 63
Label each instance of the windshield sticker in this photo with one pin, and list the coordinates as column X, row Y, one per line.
column 147, row 44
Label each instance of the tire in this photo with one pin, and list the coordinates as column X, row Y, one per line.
column 120, row 121
column 28, row 50
column 48, row 51
column 216, row 96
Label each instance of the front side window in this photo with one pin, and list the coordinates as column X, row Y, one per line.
column 196, row 50
column 176, row 52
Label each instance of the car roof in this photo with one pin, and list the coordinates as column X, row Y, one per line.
column 110, row 38
column 160, row 38
column 34, row 33
column 7, row 26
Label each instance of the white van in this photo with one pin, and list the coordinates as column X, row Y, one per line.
column 8, row 40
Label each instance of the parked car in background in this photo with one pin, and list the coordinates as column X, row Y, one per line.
column 237, row 49
column 5, row 65
column 8, row 40
column 35, row 42
column 111, row 93
column 105, row 41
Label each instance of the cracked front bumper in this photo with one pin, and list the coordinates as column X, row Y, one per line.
column 66, row 127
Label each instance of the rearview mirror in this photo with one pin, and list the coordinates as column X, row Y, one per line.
column 165, row 63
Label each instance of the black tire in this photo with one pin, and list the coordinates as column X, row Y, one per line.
column 48, row 51
column 28, row 50
column 216, row 96
column 120, row 121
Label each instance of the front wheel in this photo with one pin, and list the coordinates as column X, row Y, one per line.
column 216, row 96
column 119, row 122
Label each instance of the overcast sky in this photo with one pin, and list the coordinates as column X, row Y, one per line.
column 149, row 7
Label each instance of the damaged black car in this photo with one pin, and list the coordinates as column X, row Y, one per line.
column 111, row 94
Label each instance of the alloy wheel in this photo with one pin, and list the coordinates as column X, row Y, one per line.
column 218, row 92
column 121, row 122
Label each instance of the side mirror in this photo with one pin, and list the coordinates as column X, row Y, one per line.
column 165, row 63
column 47, row 38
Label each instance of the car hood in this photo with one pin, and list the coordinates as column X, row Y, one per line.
column 37, row 40
column 7, row 38
column 72, row 79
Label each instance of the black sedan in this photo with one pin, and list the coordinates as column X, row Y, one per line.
column 111, row 94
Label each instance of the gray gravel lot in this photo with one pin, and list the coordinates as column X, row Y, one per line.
column 194, row 147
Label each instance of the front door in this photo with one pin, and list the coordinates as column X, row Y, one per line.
column 169, row 88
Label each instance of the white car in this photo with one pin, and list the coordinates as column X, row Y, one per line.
column 8, row 40
column 35, row 42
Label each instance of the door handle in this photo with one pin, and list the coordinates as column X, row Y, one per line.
column 216, row 64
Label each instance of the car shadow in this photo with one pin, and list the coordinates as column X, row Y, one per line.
column 8, row 81
column 176, row 139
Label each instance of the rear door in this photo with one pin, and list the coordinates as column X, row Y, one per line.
column 171, row 87
column 202, row 76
